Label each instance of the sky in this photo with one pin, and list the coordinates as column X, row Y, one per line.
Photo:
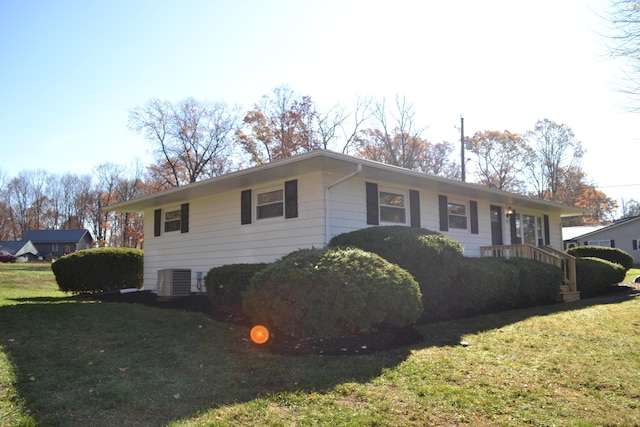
column 71, row 71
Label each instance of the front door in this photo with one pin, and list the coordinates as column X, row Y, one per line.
column 496, row 225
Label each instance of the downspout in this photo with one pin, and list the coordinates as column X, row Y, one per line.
column 327, row 201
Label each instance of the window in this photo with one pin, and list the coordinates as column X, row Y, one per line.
column 392, row 207
column 457, row 215
column 606, row 243
column 270, row 204
column 529, row 229
column 172, row 221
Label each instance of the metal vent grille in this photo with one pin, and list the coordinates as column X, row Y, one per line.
column 174, row 282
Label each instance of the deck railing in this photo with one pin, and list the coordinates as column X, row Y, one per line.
column 548, row 255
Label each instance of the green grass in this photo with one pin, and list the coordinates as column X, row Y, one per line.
column 70, row 363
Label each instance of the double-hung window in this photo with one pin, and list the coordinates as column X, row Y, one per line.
column 270, row 203
column 392, row 207
column 172, row 220
column 457, row 215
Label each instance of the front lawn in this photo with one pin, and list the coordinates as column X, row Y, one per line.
column 71, row 362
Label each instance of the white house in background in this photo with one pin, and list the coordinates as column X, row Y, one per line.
column 263, row 213
column 622, row 234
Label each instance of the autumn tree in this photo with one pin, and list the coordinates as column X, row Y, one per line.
column 280, row 126
column 576, row 190
column 500, row 159
column 193, row 139
column 554, row 152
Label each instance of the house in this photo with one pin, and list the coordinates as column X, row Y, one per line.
column 56, row 243
column 623, row 234
column 20, row 248
column 263, row 213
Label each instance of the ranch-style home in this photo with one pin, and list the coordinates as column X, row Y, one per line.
column 265, row 212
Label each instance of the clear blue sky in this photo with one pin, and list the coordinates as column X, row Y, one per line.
column 70, row 71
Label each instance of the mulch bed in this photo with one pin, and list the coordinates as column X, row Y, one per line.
column 365, row 343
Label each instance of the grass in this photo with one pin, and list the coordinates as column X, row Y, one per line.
column 65, row 362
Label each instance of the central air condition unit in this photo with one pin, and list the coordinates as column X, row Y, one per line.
column 174, row 282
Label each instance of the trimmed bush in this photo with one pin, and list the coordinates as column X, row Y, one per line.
column 492, row 284
column 332, row 292
column 99, row 270
column 610, row 254
column 596, row 276
column 226, row 284
column 433, row 258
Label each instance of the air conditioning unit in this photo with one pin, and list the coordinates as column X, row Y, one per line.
column 174, row 282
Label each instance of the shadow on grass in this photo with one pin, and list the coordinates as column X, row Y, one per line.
column 119, row 364
column 447, row 333
column 129, row 364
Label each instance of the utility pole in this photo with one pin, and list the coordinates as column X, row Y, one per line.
column 462, row 147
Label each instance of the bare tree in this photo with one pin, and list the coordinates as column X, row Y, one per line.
column 193, row 138
column 554, row 152
column 623, row 21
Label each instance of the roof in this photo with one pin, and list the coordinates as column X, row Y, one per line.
column 337, row 165
column 19, row 247
column 11, row 245
column 56, row 236
column 616, row 224
column 571, row 233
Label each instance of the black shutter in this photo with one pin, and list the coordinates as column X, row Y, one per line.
column 414, row 205
column 291, row 199
column 514, row 232
column 245, row 207
column 547, row 233
column 157, row 222
column 613, row 243
column 473, row 207
column 635, row 245
column 443, row 205
column 184, row 218
column 373, row 217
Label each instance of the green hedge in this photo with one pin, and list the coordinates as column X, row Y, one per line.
column 433, row 258
column 596, row 276
column 492, row 284
column 226, row 284
column 332, row 292
column 609, row 254
column 99, row 270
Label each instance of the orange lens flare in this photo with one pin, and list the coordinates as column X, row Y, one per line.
column 259, row 334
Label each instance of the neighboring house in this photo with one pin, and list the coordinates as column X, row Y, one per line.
column 623, row 234
column 20, row 248
column 265, row 212
column 56, row 243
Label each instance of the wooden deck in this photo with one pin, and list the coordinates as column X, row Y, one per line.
column 567, row 263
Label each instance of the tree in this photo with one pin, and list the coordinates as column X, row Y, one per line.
column 279, row 127
column 623, row 21
column 192, row 138
column 630, row 208
column 499, row 158
column 396, row 140
column 554, row 152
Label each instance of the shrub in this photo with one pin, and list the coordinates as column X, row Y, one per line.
column 226, row 284
column 99, row 270
column 610, row 254
column 431, row 257
column 490, row 284
column 596, row 276
column 332, row 292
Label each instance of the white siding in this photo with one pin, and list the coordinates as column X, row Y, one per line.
column 216, row 236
